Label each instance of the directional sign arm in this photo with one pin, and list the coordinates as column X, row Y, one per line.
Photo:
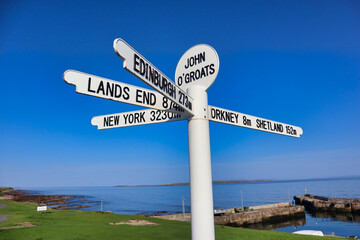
column 140, row 67
column 117, row 91
column 243, row 120
column 141, row 117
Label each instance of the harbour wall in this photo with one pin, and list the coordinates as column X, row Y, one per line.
column 264, row 214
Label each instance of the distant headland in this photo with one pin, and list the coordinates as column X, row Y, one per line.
column 184, row 184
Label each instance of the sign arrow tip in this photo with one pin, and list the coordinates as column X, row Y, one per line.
column 300, row 131
column 67, row 78
column 117, row 47
column 94, row 122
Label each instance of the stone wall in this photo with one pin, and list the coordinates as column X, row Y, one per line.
column 270, row 214
column 267, row 215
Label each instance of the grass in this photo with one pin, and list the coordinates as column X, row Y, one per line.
column 74, row 224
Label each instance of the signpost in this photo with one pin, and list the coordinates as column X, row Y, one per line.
column 41, row 208
column 195, row 73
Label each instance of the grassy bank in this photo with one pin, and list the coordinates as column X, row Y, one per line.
column 74, row 224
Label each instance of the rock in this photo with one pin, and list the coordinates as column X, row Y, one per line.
column 319, row 203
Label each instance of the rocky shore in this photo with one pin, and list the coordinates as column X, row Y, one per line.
column 61, row 202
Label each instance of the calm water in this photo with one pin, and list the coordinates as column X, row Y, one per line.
column 149, row 200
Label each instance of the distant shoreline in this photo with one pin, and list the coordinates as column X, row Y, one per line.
column 186, row 184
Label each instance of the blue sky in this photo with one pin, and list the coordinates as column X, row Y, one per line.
column 296, row 62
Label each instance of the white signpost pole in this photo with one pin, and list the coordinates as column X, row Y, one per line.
column 202, row 211
column 195, row 73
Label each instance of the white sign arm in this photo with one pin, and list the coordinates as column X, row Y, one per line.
column 134, row 118
column 137, row 65
column 243, row 120
column 117, row 91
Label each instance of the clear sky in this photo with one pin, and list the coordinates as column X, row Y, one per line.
column 296, row 62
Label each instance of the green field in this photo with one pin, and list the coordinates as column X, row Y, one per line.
column 73, row 224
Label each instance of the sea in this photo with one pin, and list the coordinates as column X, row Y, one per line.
column 152, row 200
